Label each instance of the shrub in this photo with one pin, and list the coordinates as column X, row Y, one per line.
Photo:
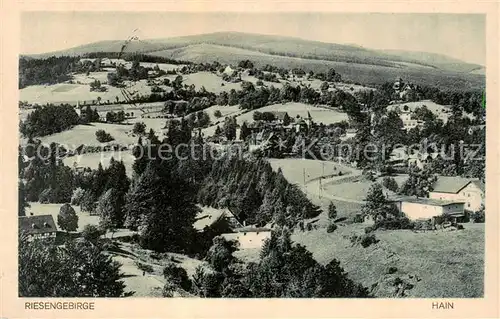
column 92, row 233
column 358, row 218
column 217, row 114
column 369, row 229
column 139, row 128
column 331, row 228
column 144, row 267
column 103, row 137
column 392, row 270
column 477, row 217
column 398, row 223
column 368, row 240
column 177, row 275
column 390, row 183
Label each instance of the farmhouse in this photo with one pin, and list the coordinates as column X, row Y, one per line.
column 37, row 227
column 470, row 191
column 249, row 237
column 209, row 216
column 427, row 208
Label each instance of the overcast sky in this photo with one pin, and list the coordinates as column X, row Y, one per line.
column 461, row 36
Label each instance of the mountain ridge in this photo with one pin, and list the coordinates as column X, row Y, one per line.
column 277, row 45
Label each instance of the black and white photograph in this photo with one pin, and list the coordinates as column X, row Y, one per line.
column 252, row 155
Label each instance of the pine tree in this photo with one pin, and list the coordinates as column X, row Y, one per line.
column 162, row 206
column 108, row 209
column 141, row 159
column 244, row 131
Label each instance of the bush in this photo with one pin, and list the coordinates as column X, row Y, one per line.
column 144, row 267
column 92, row 233
column 139, row 128
column 177, row 275
column 398, row 223
column 392, row 270
column 358, row 218
column 368, row 240
column 477, row 217
column 369, row 229
column 103, row 137
column 217, row 114
column 331, row 228
column 390, row 183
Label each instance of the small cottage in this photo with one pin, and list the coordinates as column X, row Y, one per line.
column 37, row 227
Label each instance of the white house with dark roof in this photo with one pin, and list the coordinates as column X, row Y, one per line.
column 468, row 190
column 37, row 227
column 427, row 208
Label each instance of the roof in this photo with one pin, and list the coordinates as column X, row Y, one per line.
column 424, row 201
column 39, row 224
column 453, row 184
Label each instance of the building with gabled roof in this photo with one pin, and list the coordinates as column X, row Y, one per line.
column 37, row 227
column 470, row 191
column 416, row 208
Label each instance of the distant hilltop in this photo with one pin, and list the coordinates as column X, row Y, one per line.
column 356, row 63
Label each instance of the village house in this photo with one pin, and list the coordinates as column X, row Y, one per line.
column 303, row 125
column 209, row 216
column 37, row 227
column 470, row 191
column 249, row 237
column 280, row 117
column 409, row 122
column 427, row 208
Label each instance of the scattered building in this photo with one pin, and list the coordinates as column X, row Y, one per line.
column 427, row 208
column 37, row 227
column 469, row 191
column 209, row 215
column 409, row 122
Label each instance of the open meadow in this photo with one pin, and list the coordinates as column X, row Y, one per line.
column 85, row 135
column 84, row 218
column 444, row 264
column 298, row 170
column 79, row 90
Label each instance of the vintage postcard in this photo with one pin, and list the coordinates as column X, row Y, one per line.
column 214, row 160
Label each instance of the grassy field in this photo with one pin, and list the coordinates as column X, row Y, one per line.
column 53, row 209
column 357, row 190
column 439, row 264
column 225, row 110
column 318, row 114
column 296, row 170
column 85, row 134
column 66, row 92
